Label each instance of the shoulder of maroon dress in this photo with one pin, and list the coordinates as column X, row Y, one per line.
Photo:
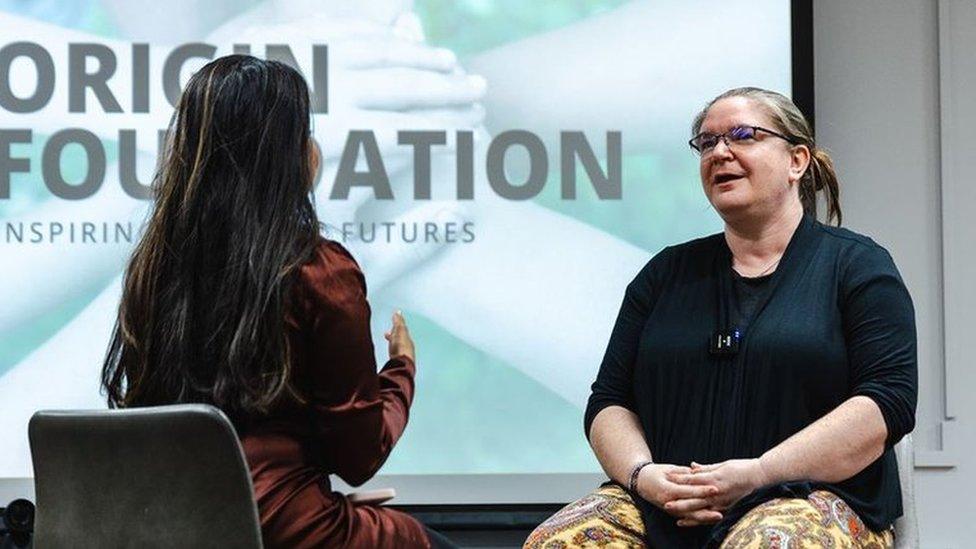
column 332, row 273
column 328, row 258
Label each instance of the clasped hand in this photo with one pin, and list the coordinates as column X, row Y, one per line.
column 698, row 494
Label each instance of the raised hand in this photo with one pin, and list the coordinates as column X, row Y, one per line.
column 399, row 338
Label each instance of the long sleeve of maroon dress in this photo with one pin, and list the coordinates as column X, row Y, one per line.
column 343, row 418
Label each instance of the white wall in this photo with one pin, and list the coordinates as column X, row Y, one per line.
column 894, row 102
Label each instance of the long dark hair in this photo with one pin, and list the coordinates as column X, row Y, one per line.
column 202, row 317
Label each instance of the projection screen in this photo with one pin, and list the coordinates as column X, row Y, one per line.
column 500, row 169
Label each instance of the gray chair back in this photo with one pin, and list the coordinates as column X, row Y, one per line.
column 167, row 476
column 906, row 527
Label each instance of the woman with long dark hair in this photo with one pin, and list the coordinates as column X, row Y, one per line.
column 233, row 299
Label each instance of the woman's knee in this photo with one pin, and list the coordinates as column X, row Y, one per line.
column 605, row 516
column 822, row 519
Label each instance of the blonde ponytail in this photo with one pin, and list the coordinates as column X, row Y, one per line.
column 821, row 177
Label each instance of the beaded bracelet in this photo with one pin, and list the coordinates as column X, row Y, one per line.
column 633, row 475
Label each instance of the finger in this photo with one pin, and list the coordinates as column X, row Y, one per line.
column 719, row 504
column 693, row 478
column 463, row 117
column 688, row 491
column 448, row 117
column 705, row 515
column 417, row 89
column 696, row 479
column 704, row 467
column 686, row 506
column 399, row 321
column 677, row 469
column 699, row 518
column 679, row 477
column 398, row 53
column 408, row 26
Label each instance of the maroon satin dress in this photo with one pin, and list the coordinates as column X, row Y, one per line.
column 344, row 419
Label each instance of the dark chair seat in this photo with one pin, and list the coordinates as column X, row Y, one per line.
column 168, row 476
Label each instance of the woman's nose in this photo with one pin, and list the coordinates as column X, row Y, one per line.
column 722, row 148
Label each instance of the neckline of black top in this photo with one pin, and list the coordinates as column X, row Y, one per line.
column 753, row 280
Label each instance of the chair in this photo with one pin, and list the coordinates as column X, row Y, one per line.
column 167, row 476
column 906, row 527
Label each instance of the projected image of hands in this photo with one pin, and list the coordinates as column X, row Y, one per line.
column 500, row 171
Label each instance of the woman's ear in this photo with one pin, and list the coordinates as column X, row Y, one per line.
column 314, row 162
column 800, row 158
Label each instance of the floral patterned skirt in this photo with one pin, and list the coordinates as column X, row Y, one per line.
column 609, row 518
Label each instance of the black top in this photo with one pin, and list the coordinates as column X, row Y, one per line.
column 836, row 321
column 749, row 293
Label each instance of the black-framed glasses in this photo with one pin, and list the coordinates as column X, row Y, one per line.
column 705, row 142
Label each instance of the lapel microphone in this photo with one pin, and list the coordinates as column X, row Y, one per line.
column 724, row 342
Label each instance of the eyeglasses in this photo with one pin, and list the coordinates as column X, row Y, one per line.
column 703, row 143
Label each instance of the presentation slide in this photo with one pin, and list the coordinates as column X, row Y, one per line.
column 500, row 169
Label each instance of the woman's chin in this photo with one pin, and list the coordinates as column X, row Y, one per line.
column 730, row 203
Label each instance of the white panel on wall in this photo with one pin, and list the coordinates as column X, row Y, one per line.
column 895, row 89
